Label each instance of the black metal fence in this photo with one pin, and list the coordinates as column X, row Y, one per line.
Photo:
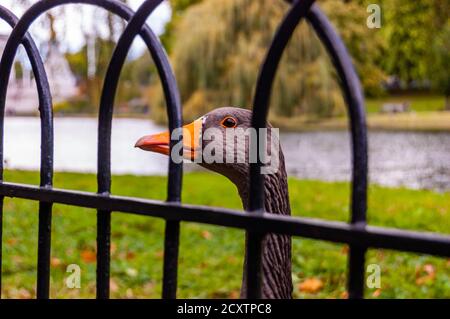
column 356, row 233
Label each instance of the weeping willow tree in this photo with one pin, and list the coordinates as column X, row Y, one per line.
column 219, row 45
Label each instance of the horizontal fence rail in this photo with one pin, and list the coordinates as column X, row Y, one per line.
column 375, row 237
column 256, row 222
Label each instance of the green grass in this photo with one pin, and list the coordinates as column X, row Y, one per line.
column 418, row 102
column 426, row 114
column 211, row 257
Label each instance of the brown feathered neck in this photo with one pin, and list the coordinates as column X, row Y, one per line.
column 276, row 262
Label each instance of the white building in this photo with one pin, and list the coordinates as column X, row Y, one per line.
column 22, row 95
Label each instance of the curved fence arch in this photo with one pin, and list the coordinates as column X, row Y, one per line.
column 45, row 111
column 105, row 119
column 355, row 106
column 175, row 121
column 356, row 234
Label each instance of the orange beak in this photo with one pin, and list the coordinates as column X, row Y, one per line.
column 159, row 143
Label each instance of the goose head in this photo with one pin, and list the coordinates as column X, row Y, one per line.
column 218, row 141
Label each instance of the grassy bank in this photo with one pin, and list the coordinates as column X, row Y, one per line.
column 413, row 121
column 417, row 102
column 426, row 114
column 211, row 257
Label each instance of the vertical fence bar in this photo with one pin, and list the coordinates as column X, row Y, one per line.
column 103, row 253
column 170, row 269
column 136, row 23
column 1, row 238
column 259, row 119
column 253, row 265
column 104, row 154
column 172, row 231
column 45, row 208
column 356, row 271
column 17, row 37
column 354, row 98
column 44, row 249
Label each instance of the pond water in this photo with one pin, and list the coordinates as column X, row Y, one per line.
column 414, row 160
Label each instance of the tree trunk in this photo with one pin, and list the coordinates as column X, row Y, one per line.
column 51, row 21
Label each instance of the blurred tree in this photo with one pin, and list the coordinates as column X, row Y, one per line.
column 18, row 69
column 440, row 64
column 49, row 20
column 408, row 25
column 178, row 7
column 418, row 40
column 366, row 46
column 216, row 61
column 136, row 74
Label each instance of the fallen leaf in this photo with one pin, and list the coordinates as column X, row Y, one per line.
column 232, row 260
column 11, row 241
column 234, row 294
column 159, row 254
column 88, row 256
column 149, row 287
column 429, row 269
column 113, row 248
column 130, row 255
column 430, row 272
column 345, row 250
column 55, row 262
column 15, row 293
column 424, row 280
column 22, row 294
column 311, row 285
column 376, row 293
column 380, row 255
column 344, row 295
column 17, row 260
column 206, row 235
column 113, row 286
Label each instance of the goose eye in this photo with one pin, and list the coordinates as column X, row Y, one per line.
column 229, row 122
